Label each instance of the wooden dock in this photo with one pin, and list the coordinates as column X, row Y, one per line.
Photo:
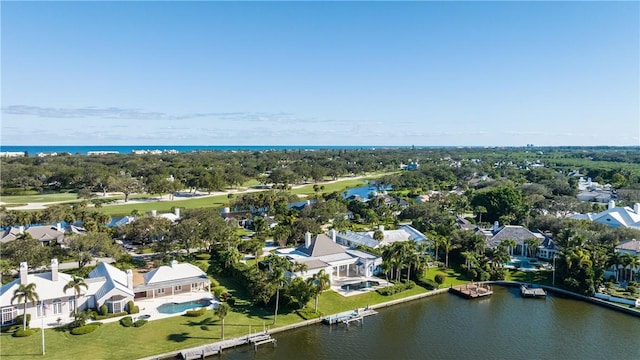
column 532, row 292
column 348, row 317
column 472, row 291
column 204, row 351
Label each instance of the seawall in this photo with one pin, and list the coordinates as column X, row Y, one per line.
column 174, row 354
column 589, row 299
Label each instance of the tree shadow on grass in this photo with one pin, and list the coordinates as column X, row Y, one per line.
column 182, row 337
column 206, row 321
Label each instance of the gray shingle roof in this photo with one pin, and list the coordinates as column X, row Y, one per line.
column 515, row 232
column 321, row 245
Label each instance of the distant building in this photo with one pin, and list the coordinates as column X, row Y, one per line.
column 102, row 152
column 615, row 216
column 12, row 154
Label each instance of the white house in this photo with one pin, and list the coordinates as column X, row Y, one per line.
column 404, row 233
column 615, row 216
column 322, row 252
column 106, row 284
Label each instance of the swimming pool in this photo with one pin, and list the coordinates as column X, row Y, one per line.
column 360, row 285
column 175, row 308
column 522, row 264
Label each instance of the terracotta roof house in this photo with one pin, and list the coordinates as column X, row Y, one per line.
column 615, row 216
column 322, row 252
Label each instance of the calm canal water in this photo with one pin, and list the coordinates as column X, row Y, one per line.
column 504, row 326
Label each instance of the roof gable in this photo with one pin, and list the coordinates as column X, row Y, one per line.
column 173, row 272
column 321, row 245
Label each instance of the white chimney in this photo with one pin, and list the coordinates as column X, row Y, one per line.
column 496, row 226
column 130, row 279
column 308, row 202
column 307, row 239
column 177, row 212
column 154, row 213
column 612, row 204
column 381, row 227
column 636, row 208
column 54, row 269
column 333, row 234
column 173, row 263
column 24, row 270
column 59, row 226
column 20, row 229
column 226, row 210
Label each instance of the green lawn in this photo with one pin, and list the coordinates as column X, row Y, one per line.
column 534, row 277
column 112, row 341
column 454, row 277
column 38, row 198
column 331, row 302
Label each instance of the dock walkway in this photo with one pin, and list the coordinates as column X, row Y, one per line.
column 202, row 352
column 472, row 291
column 349, row 316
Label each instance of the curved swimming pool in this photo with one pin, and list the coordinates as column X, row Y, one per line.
column 175, row 308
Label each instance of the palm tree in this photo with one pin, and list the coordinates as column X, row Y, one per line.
column 322, row 282
column 24, row 294
column 447, row 245
column 221, row 311
column 76, row 283
column 510, row 244
column 532, row 246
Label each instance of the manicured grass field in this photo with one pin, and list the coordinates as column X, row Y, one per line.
column 537, row 277
column 39, row 198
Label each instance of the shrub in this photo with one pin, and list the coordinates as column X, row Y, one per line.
column 24, row 333
column 104, row 310
column 140, row 322
column 196, row 313
column 218, row 291
column 132, row 308
column 440, row 279
column 203, row 256
column 84, row 329
column 126, row 321
column 231, row 300
column 396, row 288
column 109, row 316
column 20, row 318
column 307, row 313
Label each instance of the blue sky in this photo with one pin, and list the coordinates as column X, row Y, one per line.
column 320, row 73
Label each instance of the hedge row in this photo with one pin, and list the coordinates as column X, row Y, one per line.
column 24, row 333
column 108, row 316
column 85, row 329
column 196, row 313
column 396, row 288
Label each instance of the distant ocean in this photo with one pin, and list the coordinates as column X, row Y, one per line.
column 127, row 149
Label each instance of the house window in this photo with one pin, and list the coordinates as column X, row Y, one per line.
column 160, row 291
column 8, row 315
column 117, row 307
column 194, row 287
column 178, row 288
column 57, row 307
column 72, row 305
